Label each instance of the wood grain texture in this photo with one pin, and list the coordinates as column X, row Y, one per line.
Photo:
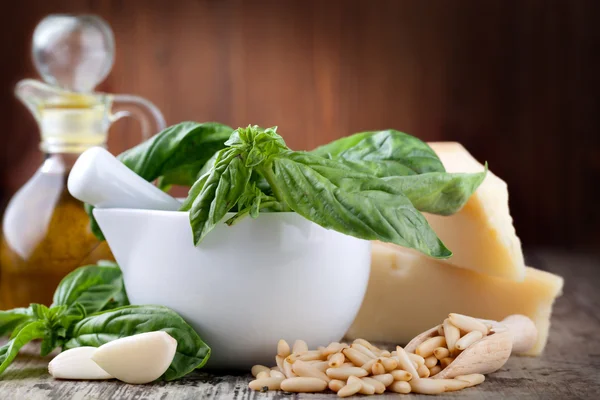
column 567, row 370
column 515, row 80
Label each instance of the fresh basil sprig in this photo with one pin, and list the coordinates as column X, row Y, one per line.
column 327, row 192
column 91, row 308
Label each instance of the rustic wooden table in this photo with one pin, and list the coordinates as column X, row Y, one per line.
column 569, row 369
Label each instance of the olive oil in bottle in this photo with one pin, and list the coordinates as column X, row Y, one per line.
column 45, row 231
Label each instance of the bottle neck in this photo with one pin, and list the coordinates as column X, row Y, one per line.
column 68, row 129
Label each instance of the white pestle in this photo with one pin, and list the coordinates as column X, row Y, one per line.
column 100, row 179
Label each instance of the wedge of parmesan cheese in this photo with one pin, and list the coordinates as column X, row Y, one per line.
column 409, row 293
column 481, row 235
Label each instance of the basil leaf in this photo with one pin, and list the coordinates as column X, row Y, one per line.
column 225, row 184
column 93, row 287
column 107, row 326
column 11, row 319
column 8, row 352
column 386, row 153
column 356, row 204
column 438, row 192
column 178, row 152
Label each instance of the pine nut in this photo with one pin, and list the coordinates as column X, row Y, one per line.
column 259, row 368
column 454, row 384
column 337, row 360
column 350, row 389
column 365, row 388
column 426, row 348
column 369, row 364
column 263, row 374
column 266, row 384
column 335, row 385
column 441, row 352
column 283, row 348
column 378, row 386
column 405, row 363
column 401, row 375
column 423, row 371
column 385, row 353
column 277, row 374
column 416, row 358
column 386, row 379
column 393, row 353
column 389, row 364
column 428, row 386
column 306, row 370
column 435, row 370
column 444, row 362
column 400, row 387
column 355, row 356
column 414, row 363
column 321, row 366
column 303, row 385
column 471, row 379
column 311, row 356
column 440, row 330
column 365, row 343
column 343, row 373
column 378, row 368
column 333, row 348
column 300, row 347
column 431, row 362
column 279, row 361
column 287, row 369
column 452, row 334
column 468, row 340
column 348, row 364
column 435, row 386
column 363, row 350
column 467, row 324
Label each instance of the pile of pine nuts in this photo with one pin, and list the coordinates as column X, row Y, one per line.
column 454, row 335
column 365, row 369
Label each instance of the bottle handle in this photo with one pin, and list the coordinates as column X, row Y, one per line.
column 149, row 116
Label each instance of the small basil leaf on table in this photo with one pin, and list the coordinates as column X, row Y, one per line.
column 8, row 352
column 397, row 152
column 107, row 326
column 93, row 287
column 11, row 319
column 225, row 184
column 438, row 192
column 356, row 204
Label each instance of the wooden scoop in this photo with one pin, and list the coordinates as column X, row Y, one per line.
column 516, row 333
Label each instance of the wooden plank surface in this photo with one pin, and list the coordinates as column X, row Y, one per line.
column 569, row 369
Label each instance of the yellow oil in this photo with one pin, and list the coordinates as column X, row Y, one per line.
column 59, row 241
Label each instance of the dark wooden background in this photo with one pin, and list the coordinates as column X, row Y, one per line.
column 517, row 81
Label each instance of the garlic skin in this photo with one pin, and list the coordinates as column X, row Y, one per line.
column 77, row 364
column 137, row 359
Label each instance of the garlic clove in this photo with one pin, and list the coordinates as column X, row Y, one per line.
column 141, row 358
column 77, row 364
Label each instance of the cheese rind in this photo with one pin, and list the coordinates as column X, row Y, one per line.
column 409, row 293
column 481, row 236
